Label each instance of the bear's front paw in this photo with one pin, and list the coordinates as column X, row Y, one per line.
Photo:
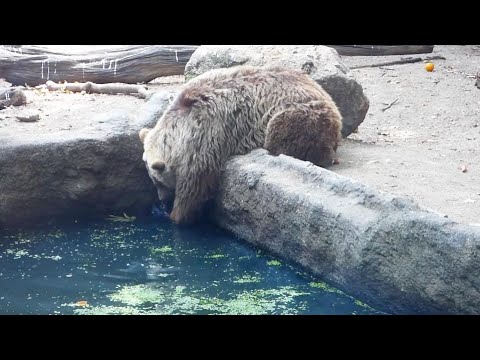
column 175, row 216
column 178, row 217
column 182, row 217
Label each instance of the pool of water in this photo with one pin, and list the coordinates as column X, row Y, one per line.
column 147, row 266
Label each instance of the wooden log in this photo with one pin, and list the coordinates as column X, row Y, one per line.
column 380, row 50
column 35, row 65
column 90, row 87
column 399, row 62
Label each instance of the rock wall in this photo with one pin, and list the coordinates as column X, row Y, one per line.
column 97, row 169
column 383, row 249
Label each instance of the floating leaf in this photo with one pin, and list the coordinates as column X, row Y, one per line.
column 274, row 263
column 124, row 218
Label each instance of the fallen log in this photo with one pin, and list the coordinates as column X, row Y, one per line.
column 90, row 87
column 34, row 65
column 399, row 62
column 380, row 50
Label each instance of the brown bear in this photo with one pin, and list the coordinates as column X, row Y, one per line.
column 232, row 111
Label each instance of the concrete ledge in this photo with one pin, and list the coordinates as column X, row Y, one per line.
column 93, row 170
column 383, row 249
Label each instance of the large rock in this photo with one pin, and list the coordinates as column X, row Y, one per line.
column 96, row 169
column 322, row 63
column 383, row 249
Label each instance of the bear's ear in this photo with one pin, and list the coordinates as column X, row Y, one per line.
column 143, row 133
column 187, row 98
column 158, row 165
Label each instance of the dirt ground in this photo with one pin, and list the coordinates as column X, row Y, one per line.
column 426, row 146
column 57, row 109
column 420, row 145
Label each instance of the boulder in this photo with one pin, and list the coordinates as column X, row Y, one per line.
column 94, row 169
column 322, row 63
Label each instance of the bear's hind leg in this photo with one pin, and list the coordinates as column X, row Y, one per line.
column 306, row 132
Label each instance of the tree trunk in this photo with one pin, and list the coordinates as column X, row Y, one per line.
column 90, row 87
column 380, row 50
column 399, row 62
column 35, row 65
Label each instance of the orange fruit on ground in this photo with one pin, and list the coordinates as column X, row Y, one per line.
column 429, row 66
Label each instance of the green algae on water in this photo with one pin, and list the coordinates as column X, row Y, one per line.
column 161, row 250
column 151, row 299
column 215, row 256
column 324, row 287
column 247, row 279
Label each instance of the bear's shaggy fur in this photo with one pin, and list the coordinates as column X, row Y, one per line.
column 227, row 112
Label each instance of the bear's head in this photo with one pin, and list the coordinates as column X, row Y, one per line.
column 160, row 171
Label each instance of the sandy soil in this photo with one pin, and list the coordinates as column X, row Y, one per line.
column 418, row 147
column 57, row 109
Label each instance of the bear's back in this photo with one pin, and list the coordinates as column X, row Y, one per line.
column 272, row 76
column 251, row 85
